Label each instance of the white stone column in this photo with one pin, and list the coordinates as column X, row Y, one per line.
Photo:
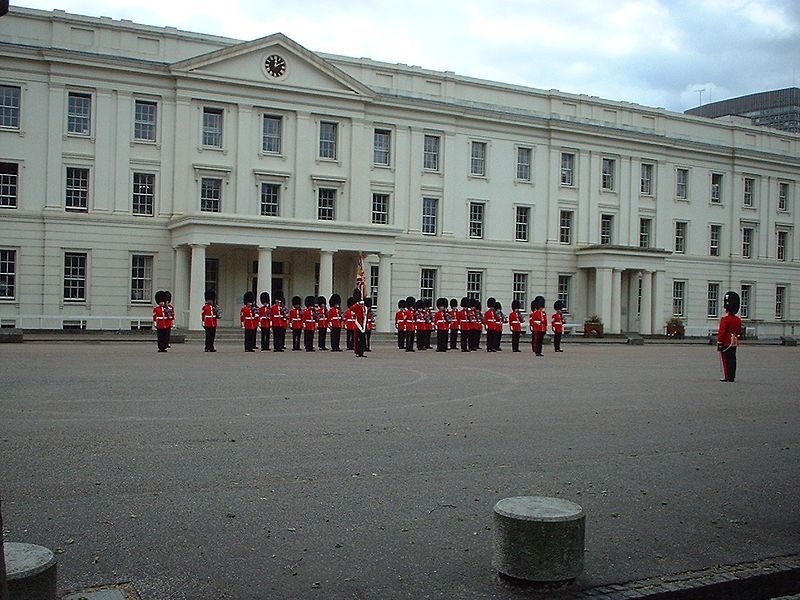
column 616, row 301
column 384, row 316
column 633, row 301
column 326, row 273
column 197, row 284
column 658, row 319
column 646, row 318
column 264, row 270
column 180, row 295
column 602, row 295
column 579, row 296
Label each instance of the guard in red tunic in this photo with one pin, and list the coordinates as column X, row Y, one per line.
column 335, row 321
column 464, row 325
column 321, row 311
column 210, row 316
column 730, row 329
column 399, row 324
column 350, row 324
column 296, row 322
column 264, row 321
column 558, row 325
column 488, row 322
column 309, row 324
column 277, row 315
column 499, row 319
column 370, row 323
column 538, row 324
column 411, row 323
column 161, row 321
column 515, row 324
column 360, row 318
column 248, row 316
column 170, row 315
column 453, row 320
column 442, row 324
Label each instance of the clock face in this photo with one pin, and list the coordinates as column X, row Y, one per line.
column 275, row 65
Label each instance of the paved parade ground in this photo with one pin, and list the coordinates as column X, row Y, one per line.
column 199, row 476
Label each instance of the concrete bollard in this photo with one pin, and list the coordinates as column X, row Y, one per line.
column 539, row 539
column 31, row 572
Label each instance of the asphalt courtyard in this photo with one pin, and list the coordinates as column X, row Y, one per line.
column 251, row 476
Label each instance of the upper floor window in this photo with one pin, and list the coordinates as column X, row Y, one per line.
column 328, row 133
column 680, row 236
column 212, row 127
column 75, row 276
column 326, row 204
column 9, row 177
column 141, row 278
column 476, row 213
column 8, row 274
column 76, row 197
column 783, row 196
column 145, row 120
column 380, row 209
column 381, row 154
column 747, row 242
column 780, row 302
column 144, row 185
column 270, row 199
column 9, row 106
column 748, row 192
column 606, row 229
column 716, row 188
column 609, row 166
column 522, row 217
column 211, row 194
column 565, row 227
column 478, row 159
column 645, row 232
column 430, row 215
column 646, row 180
column 79, row 113
column 271, row 134
column 524, row 164
column 715, row 239
column 567, row 169
column 682, row 184
column 430, row 152
column 782, row 237
column 712, row 304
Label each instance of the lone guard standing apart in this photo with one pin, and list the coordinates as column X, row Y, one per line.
column 210, row 314
column 161, row 321
column 558, row 325
column 730, row 328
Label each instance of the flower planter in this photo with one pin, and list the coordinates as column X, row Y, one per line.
column 593, row 330
column 675, row 331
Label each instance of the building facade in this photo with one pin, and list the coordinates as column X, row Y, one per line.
column 136, row 158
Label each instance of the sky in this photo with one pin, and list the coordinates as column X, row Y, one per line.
column 673, row 54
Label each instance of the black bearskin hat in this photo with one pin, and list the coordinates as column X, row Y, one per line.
column 401, row 303
column 490, row 302
column 160, row 297
column 335, row 300
column 731, row 302
column 249, row 297
column 210, row 295
column 167, row 296
column 321, row 301
column 453, row 303
column 465, row 302
column 309, row 301
column 350, row 301
column 558, row 305
column 497, row 305
column 296, row 301
column 515, row 305
column 410, row 302
column 420, row 304
column 264, row 297
column 278, row 299
column 538, row 302
column 357, row 295
column 441, row 303
column 533, row 305
column 368, row 301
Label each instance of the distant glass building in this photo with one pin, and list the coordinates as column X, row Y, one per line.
column 778, row 109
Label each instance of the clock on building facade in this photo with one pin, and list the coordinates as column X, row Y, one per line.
column 275, row 65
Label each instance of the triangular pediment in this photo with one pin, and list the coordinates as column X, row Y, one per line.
column 247, row 63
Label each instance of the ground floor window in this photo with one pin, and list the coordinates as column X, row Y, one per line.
column 75, row 276
column 678, row 295
column 564, row 286
column 427, row 284
column 519, row 290
column 141, row 278
column 8, row 274
column 474, row 285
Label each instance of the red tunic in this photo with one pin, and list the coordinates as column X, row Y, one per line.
column 309, row 322
column 539, row 320
column 349, row 320
column 730, row 328
column 440, row 320
column 334, row 318
column 263, row 317
column 295, row 319
column 277, row 317
column 248, row 317
column 208, row 315
column 453, row 318
column 515, row 322
column 161, row 318
column 398, row 320
column 558, row 322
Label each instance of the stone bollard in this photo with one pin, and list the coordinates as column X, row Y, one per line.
column 31, row 572
column 539, row 539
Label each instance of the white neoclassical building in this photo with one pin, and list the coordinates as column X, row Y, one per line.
column 136, row 158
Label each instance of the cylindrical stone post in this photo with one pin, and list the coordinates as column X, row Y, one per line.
column 539, row 539
column 31, row 572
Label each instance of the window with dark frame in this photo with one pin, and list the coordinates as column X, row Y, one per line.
column 474, row 285
column 145, row 121
column 380, row 208
column 519, row 290
column 565, row 227
column 272, row 134
column 564, row 286
column 780, row 302
column 713, row 300
column 608, row 167
column 523, row 164
column 210, row 194
column 680, row 237
column 212, row 127
column 747, row 242
column 328, row 133
column 678, row 295
column 744, row 304
column 326, row 204
column 716, row 188
column 9, row 106
column 606, row 229
column 478, row 159
column 77, row 190
column 476, row 214
column 427, row 284
column 381, row 150
column 567, row 169
column 430, row 215
column 430, row 154
column 270, row 199
column 715, row 238
column 783, row 196
column 646, row 181
column 682, row 184
column 143, row 202
column 521, row 223
column 9, row 178
column 748, row 192
column 79, row 113
column 782, row 237
column 645, row 232
column 8, row 274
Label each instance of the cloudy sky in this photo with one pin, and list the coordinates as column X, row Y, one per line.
column 652, row 52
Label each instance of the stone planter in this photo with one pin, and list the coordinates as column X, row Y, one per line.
column 675, row 331
column 593, row 330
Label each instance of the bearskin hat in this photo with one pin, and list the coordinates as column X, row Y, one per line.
column 401, row 303
column 453, row 303
column 278, row 299
column 410, row 302
column 497, row 305
column 731, row 302
column 490, row 302
column 264, row 297
column 160, row 297
column 419, row 304
column 210, row 295
column 167, row 296
column 558, row 305
column 335, row 300
column 368, row 301
column 357, row 295
column 249, row 297
column 350, row 301
column 515, row 305
column 441, row 303
column 465, row 302
column 309, row 301
column 539, row 302
column 296, row 301
column 321, row 301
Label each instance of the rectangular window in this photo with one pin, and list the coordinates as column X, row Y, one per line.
column 645, row 232
column 646, row 182
column 780, row 302
column 326, row 205
column 374, row 277
column 476, row 211
column 474, row 285
column 77, row 190
column 9, row 106
column 682, row 184
column 716, row 188
column 75, row 277
column 212, row 127
column 748, row 192
column 567, row 169
column 564, row 287
column 680, row 236
column 713, row 300
column 328, row 133
column 522, row 217
column 212, row 274
column 478, row 159
column 79, row 113
column 8, row 274
column 609, row 166
column 210, row 194
column 744, row 307
column 565, row 227
column 782, row 236
column 271, row 134
column 427, row 284
column 380, row 209
column 678, row 291
column 141, row 278
column 524, row 164
column 144, row 186
column 783, row 196
column 606, row 229
column 520, row 290
column 430, row 153
column 715, row 238
column 9, row 176
column 270, row 199
column 381, row 154
column 430, row 215
column 144, row 121
column 747, row 242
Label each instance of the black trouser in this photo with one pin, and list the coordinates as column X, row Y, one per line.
column 401, row 338
column 465, row 340
column 323, row 334
column 498, row 338
column 265, row 338
column 249, row 339
column 162, row 338
column 538, row 338
column 409, row 341
column 475, row 339
column 441, row 340
column 369, row 340
column 349, row 337
column 515, row 340
column 490, row 340
column 361, row 342
column 211, row 334
column 729, row 364
column 296, row 333
column 557, row 341
column 420, row 339
column 453, row 339
column 336, row 334
column 278, row 338
column 308, row 339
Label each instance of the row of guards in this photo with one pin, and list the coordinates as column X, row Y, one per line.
column 415, row 321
